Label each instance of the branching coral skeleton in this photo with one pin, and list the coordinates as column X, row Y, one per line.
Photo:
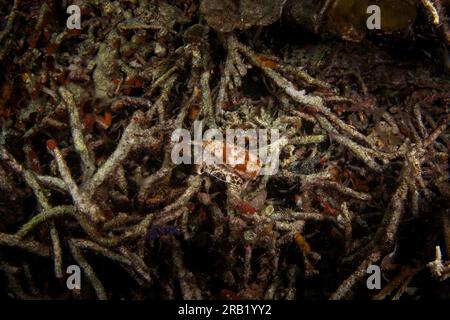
column 437, row 267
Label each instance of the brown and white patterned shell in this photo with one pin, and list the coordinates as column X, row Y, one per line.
column 228, row 169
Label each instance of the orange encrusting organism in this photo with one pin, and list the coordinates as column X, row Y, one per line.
column 267, row 62
column 51, row 144
column 301, row 243
column 245, row 207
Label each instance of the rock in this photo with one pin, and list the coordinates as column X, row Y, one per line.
column 195, row 33
column 229, row 15
column 347, row 18
column 305, row 13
